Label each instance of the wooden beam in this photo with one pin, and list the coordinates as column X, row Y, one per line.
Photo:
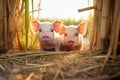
column 34, row 11
column 87, row 8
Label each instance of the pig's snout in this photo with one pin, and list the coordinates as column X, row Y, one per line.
column 45, row 38
column 70, row 42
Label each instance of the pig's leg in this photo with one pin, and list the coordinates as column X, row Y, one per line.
column 57, row 44
column 57, row 48
column 41, row 48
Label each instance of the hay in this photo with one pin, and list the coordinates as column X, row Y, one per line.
column 47, row 65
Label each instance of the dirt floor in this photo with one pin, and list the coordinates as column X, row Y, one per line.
column 45, row 65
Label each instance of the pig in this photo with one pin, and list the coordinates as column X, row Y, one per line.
column 72, row 37
column 48, row 34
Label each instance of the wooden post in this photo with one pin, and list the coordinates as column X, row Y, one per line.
column 1, row 26
column 97, row 17
column 103, row 23
column 5, row 25
column 87, row 8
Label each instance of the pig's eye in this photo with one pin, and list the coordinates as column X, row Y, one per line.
column 51, row 30
column 76, row 34
column 65, row 34
column 40, row 30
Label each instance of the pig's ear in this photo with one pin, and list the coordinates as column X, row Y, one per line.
column 35, row 26
column 62, row 31
column 82, row 28
column 57, row 26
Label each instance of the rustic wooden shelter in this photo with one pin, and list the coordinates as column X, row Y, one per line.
column 105, row 35
column 106, row 13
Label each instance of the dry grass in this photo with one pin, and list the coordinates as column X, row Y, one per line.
column 43, row 65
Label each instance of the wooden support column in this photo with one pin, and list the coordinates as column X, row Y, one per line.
column 97, row 20
column 103, row 23
column 1, row 27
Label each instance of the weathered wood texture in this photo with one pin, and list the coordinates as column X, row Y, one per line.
column 1, row 26
column 9, row 17
column 103, row 23
column 115, row 24
column 5, row 30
